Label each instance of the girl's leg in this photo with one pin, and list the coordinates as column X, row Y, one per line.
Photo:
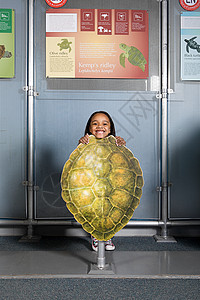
column 94, row 243
column 109, row 246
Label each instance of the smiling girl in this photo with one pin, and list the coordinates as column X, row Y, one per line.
column 101, row 125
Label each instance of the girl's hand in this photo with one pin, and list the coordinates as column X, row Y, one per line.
column 84, row 139
column 120, row 141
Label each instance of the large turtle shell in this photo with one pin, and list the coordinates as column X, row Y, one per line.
column 136, row 58
column 102, row 185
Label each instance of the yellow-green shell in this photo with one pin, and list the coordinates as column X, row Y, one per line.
column 102, row 186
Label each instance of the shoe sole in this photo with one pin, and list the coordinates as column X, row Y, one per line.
column 107, row 249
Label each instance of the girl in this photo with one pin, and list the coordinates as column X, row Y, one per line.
column 101, row 125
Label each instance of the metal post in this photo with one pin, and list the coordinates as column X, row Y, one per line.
column 101, row 260
column 164, row 234
column 101, row 268
column 30, row 118
column 30, row 99
column 164, row 118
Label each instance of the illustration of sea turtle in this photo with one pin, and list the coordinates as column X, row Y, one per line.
column 192, row 44
column 4, row 53
column 135, row 57
column 65, row 44
column 102, row 186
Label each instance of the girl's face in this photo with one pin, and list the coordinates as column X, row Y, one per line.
column 100, row 126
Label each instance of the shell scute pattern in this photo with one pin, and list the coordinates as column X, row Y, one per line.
column 135, row 56
column 102, row 186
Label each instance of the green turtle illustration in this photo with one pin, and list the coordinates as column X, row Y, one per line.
column 65, row 44
column 4, row 53
column 135, row 57
column 102, row 186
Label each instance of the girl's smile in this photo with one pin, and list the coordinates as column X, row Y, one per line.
column 100, row 125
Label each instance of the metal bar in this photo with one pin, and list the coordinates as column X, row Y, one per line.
column 30, row 116
column 144, row 223
column 74, row 223
column 101, row 259
column 164, row 119
column 77, row 225
column 183, row 223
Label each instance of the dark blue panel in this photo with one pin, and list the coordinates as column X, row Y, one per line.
column 184, row 154
column 12, row 124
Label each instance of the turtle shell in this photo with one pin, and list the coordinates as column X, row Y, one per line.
column 136, row 58
column 2, row 51
column 102, row 186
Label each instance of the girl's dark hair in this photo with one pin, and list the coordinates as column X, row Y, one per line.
column 112, row 126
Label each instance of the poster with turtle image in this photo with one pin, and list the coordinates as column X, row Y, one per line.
column 97, row 43
column 190, row 46
column 7, row 44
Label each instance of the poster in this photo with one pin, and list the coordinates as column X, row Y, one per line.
column 190, row 46
column 7, row 45
column 97, row 43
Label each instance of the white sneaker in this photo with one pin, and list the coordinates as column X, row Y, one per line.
column 109, row 245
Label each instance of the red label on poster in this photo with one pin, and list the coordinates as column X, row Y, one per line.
column 190, row 4
column 87, row 20
column 138, row 20
column 56, row 3
column 104, row 25
column 121, row 22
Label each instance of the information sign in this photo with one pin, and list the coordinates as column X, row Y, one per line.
column 7, row 44
column 190, row 46
column 97, row 43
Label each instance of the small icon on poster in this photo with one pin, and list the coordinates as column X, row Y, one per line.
column 138, row 21
column 4, row 53
column 102, row 29
column 104, row 16
column 87, row 16
column 4, row 17
column 65, row 44
column 192, row 44
column 138, row 17
column 121, row 16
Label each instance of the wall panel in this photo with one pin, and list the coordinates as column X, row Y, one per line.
column 184, row 132
column 13, row 123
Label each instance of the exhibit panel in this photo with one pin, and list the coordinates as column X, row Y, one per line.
column 65, row 104
column 184, row 116
column 13, row 109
